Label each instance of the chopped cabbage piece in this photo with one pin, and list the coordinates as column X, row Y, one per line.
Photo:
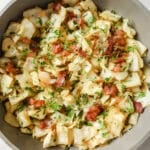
column 20, row 97
column 6, row 84
column 115, row 121
column 29, row 28
column 132, row 81
column 108, row 15
column 23, row 118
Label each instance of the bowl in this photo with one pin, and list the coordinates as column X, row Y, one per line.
column 140, row 18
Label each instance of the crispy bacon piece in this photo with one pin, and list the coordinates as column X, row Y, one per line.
column 81, row 22
column 119, row 38
column 25, row 40
column 120, row 60
column 70, row 16
column 117, row 68
column 36, row 103
column 10, row 68
column 110, row 90
column 79, row 51
column 110, row 46
column 56, row 6
column 43, row 124
column 75, row 48
column 93, row 112
column 82, row 53
column 138, row 107
column 34, row 46
column 65, row 53
column 60, row 79
column 57, row 48
column 47, row 123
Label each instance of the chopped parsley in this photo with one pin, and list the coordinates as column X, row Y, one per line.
column 57, row 33
column 50, row 56
column 28, row 89
column 113, row 11
column 128, row 106
column 99, row 94
column 103, row 126
column 21, row 106
column 123, row 88
column 108, row 80
column 90, row 20
column 105, row 134
column 104, row 30
column 130, row 48
column 88, row 123
column 140, row 95
column 105, row 113
column 24, row 53
column 39, row 21
column 67, row 148
column 82, row 100
column 53, row 105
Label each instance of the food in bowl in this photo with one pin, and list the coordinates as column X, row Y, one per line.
column 72, row 75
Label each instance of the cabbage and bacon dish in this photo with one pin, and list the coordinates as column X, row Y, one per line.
column 72, row 75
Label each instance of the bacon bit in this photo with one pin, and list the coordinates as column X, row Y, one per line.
column 57, row 48
column 56, row 7
column 110, row 47
column 25, row 40
column 10, row 68
column 119, row 38
column 43, row 125
column 65, row 53
column 75, row 48
column 70, row 16
column 82, row 23
column 60, row 79
column 120, row 60
column 39, row 103
column 110, row 90
column 82, row 53
column 93, row 112
column 117, row 68
column 47, row 123
column 36, row 103
column 79, row 51
column 31, row 101
column 34, row 46
column 138, row 107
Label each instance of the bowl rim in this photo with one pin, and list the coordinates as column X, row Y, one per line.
column 146, row 12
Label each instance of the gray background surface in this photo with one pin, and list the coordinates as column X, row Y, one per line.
column 145, row 145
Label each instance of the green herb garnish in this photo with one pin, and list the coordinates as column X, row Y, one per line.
column 54, row 105
column 21, row 106
column 24, row 53
column 130, row 49
column 39, row 20
column 105, row 134
column 140, row 95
